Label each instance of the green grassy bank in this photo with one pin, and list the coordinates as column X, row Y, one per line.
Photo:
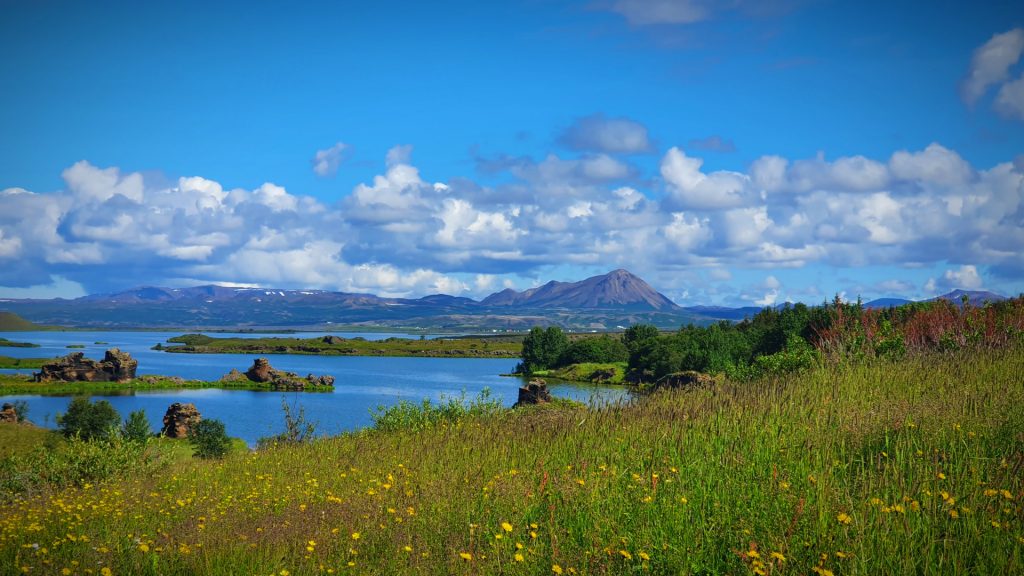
column 909, row 467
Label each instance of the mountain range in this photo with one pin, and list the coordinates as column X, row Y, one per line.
column 606, row 302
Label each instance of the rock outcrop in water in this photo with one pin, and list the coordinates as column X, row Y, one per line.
column 535, row 392
column 179, row 420
column 116, row 366
column 262, row 372
column 8, row 414
column 686, row 380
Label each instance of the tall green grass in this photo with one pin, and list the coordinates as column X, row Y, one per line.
column 910, row 467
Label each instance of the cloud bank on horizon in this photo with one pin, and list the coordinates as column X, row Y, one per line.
column 402, row 235
column 603, row 193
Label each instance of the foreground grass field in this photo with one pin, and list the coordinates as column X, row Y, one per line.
column 912, row 467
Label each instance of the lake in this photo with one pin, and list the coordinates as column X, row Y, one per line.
column 362, row 383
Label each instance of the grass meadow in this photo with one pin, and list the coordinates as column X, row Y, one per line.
column 876, row 467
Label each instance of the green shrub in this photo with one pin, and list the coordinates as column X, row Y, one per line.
column 297, row 430
column 73, row 462
column 410, row 416
column 87, row 420
column 21, row 409
column 209, row 439
column 136, row 427
column 601, row 350
column 542, row 348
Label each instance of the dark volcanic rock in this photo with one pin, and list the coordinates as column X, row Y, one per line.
column 116, row 366
column 7, row 414
column 179, row 420
column 686, row 380
column 535, row 392
column 333, row 340
column 262, row 372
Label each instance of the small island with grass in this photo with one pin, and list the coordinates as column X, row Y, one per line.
column 453, row 347
column 75, row 374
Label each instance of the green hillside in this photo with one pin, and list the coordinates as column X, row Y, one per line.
column 11, row 322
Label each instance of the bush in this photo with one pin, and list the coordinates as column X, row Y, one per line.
column 89, row 421
column 602, row 350
column 409, row 416
column 542, row 348
column 73, row 462
column 136, row 428
column 21, row 409
column 209, row 439
column 296, row 429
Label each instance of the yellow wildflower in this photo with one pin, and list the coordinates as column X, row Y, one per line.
column 518, row 557
column 625, row 554
column 506, row 526
column 105, row 571
column 753, row 554
column 465, row 556
column 844, row 518
column 1006, row 494
column 355, row 535
column 778, row 556
column 143, row 547
column 643, row 555
column 556, row 568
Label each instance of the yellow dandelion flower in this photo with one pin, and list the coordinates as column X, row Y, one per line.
column 625, row 554
column 940, row 476
column 533, row 534
column 991, row 492
column 506, row 526
column 1006, row 494
column 465, row 556
column 844, row 518
column 643, row 555
column 518, row 557
column 777, row 556
column 356, row 535
column 954, row 514
column 143, row 547
column 519, row 546
column 284, row 572
column 407, row 548
column 753, row 554
column 556, row 568
column 105, row 571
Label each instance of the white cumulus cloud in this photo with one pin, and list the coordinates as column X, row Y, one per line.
column 327, row 161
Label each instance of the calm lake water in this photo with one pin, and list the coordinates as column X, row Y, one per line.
column 361, row 383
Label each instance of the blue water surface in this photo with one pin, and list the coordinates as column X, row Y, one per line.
column 362, row 383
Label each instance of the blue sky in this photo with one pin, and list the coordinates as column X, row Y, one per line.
column 729, row 152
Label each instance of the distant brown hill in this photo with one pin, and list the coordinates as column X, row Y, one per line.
column 617, row 289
